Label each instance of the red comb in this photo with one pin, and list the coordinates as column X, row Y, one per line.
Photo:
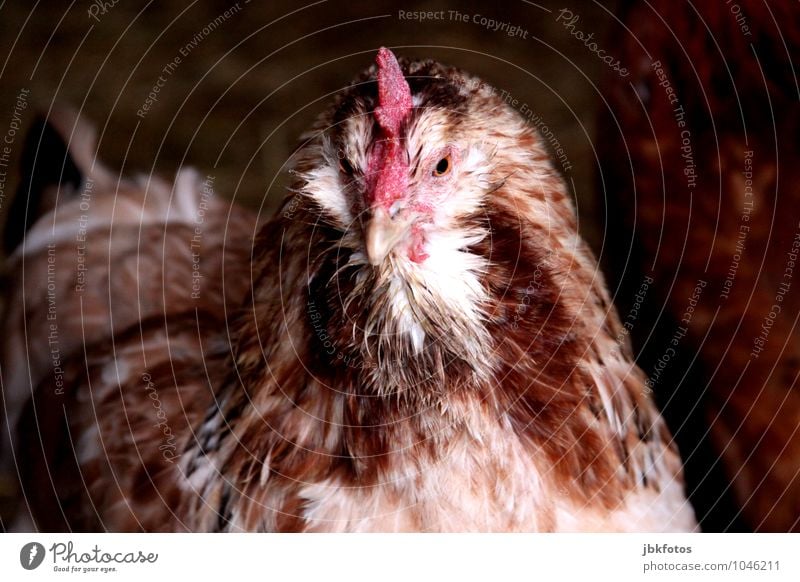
column 394, row 94
column 388, row 164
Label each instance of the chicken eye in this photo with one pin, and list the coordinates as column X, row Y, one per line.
column 442, row 167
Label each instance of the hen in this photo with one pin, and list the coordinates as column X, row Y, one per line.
column 419, row 340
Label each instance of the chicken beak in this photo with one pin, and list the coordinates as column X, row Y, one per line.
column 382, row 234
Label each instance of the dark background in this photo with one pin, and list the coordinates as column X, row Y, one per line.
column 237, row 103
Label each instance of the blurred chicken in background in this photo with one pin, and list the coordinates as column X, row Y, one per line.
column 117, row 279
column 700, row 161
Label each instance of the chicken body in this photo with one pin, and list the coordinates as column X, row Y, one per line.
column 419, row 340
